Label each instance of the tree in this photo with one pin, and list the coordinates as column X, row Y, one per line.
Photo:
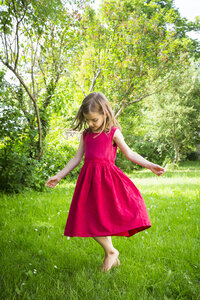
column 37, row 39
column 173, row 118
column 130, row 46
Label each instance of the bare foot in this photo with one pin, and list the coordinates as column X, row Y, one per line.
column 110, row 260
column 116, row 263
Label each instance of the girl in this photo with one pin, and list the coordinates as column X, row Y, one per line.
column 105, row 202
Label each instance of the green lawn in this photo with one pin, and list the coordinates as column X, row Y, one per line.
column 38, row 262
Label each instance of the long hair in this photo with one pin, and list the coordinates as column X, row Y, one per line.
column 95, row 102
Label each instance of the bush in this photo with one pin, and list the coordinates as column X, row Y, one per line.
column 142, row 146
column 18, row 171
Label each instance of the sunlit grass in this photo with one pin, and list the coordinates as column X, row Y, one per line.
column 38, row 262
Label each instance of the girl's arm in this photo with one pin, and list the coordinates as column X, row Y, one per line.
column 134, row 157
column 72, row 164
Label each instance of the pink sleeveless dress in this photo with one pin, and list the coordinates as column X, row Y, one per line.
column 105, row 200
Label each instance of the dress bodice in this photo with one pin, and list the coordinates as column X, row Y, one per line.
column 100, row 148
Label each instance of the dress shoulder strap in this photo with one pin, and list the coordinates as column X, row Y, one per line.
column 84, row 133
column 113, row 129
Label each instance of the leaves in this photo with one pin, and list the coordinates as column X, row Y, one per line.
column 173, row 115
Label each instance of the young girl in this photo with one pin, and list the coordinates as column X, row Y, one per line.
column 105, row 202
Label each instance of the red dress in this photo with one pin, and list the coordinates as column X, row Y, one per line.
column 105, row 200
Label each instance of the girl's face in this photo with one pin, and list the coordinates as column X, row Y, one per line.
column 95, row 120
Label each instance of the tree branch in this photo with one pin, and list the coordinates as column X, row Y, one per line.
column 17, row 42
column 43, row 75
column 16, row 57
column 81, row 88
column 34, row 103
column 96, row 75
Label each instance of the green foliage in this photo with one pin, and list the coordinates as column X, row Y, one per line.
column 133, row 43
column 173, row 118
column 61, row 52
column 61, row 147
column 38, row 42
column 135, row 132
column 19, row 171
column 18, row 168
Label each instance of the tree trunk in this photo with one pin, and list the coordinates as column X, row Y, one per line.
column 176, row 150
column 35, row 107
column 176, row 157
column 176, row 147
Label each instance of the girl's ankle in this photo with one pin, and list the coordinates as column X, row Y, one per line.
column 111, row 252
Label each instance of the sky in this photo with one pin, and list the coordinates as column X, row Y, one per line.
column 187, row 8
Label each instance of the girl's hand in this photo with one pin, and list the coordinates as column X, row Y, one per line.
column 158, row 170
column 53, row 181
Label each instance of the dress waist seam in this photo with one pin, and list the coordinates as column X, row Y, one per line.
column 99, row 162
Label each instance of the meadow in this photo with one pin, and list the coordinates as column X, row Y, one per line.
column 163, row 262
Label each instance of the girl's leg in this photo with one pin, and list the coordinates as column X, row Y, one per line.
column 111, row 254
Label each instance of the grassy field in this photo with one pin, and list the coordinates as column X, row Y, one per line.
column 163, row 262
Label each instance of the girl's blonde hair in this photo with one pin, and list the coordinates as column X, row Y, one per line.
column 96, row 102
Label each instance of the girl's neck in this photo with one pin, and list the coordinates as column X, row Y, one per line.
column 99, row 131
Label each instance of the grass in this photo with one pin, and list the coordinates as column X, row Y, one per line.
column 38, row 262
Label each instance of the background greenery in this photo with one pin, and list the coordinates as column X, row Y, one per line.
column 137, row 53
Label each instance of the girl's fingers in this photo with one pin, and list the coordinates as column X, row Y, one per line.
column 48, row 183
column 51, row 183
column 161, row 172
column 158, row 170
